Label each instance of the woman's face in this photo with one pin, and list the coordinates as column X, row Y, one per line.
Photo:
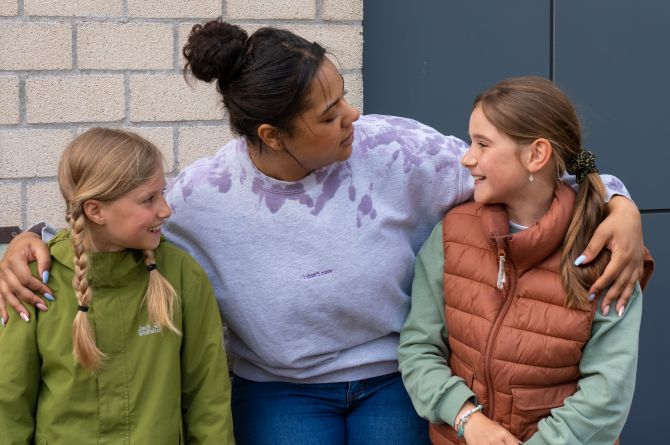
column 323, row 133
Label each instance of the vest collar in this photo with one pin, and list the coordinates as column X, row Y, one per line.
column 529, row 247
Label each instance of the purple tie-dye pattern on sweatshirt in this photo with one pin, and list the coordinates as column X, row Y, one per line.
column 413, row 143
column 395, row 140
column 353, row 228
column 400, row 140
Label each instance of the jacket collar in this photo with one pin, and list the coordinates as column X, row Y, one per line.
column 105, row 269
column 529, row 247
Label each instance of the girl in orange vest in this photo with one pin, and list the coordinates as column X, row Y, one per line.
column 503, row 343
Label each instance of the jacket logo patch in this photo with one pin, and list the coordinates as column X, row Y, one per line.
column 148, row 329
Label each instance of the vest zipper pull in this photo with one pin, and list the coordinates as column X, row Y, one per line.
column 501, row 272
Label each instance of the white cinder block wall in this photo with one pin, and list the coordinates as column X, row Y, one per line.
column 68, row 65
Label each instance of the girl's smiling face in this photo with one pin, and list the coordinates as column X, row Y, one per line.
column 494, row 161
column 132, row 221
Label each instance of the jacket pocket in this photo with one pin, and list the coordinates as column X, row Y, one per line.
column 531, row 404
column 462, row 370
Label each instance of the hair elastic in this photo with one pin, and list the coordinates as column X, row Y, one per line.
column 82, row 308
column 151, row 267
column 581, row 165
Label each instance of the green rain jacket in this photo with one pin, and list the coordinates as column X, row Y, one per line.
column 155, row 387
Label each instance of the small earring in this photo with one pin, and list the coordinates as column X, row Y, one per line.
column 531, row 178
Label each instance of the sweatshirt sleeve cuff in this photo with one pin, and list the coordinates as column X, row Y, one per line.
column 453, row 402
column 44, row 230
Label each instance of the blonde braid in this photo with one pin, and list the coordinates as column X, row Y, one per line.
column 85, row 350
column 160, row 297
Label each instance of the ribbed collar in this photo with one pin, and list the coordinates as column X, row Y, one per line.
column 277, row 186
column 529, row 247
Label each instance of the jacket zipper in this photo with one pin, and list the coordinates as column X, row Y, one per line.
column 501, row 269
column 508, row 297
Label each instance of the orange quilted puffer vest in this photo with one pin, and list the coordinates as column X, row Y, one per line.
column 511, row 337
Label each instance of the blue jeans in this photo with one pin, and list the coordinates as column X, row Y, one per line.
column 364, row 412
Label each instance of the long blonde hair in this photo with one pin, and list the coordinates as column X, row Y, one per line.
column 104, row 164
column 529, row 108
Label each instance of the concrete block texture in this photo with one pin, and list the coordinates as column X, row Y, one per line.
column 278, row 9
column 35, row 46
column 124, row 46
column 162, row 138
column 75, row 99
column 68, row 65
column 9, row 7
column 81, row 8
column 170, row 98
column 201, row 141
column 345, row 42
column 342, row 9
column 175, row 8
column 31, row 153
column 9, row 100
column 353, row 85
column 45, row 203
column 10, row 203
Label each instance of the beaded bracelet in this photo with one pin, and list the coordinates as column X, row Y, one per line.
column 460, row 431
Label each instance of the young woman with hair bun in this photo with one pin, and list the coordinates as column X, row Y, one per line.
column 308, row 225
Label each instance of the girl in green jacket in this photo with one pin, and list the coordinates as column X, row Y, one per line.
column 133, row 353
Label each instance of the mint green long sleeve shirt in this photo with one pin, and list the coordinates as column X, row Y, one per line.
column 595, row 414
column 155, row 387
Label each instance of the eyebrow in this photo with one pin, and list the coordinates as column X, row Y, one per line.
column 331, row 105
column 479, row 136
column 335, row 102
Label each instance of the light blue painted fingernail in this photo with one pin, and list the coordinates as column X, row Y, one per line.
column 48, row 296
column 45, row 277
column 592, row 297
column 580, row 260
column 2, row 320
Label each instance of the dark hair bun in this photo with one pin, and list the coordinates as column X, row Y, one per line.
column 213, row 51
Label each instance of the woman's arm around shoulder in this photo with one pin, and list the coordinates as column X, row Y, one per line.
column 437, row 394
column 596, row 413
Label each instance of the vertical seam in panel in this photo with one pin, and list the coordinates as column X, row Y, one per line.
column 552, row 40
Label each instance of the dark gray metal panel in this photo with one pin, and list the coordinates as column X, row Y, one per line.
column 429, row 59
column 648, row 419
column 612, row 57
